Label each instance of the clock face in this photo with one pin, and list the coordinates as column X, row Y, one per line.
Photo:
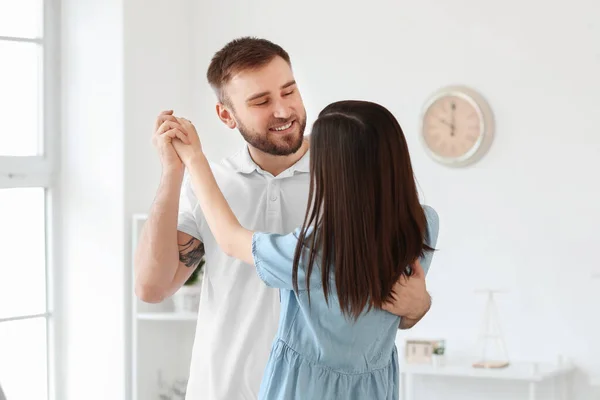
column 452, row 127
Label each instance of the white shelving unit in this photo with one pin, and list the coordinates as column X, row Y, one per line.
column 533, row 374
column 167, row 316
column 161, row 340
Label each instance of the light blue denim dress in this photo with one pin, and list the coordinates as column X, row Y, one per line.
column 318, row 353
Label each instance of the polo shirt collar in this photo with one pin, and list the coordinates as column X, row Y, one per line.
column 243, row 163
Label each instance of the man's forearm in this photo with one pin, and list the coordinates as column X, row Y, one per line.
column 407, row 323
column 157, row 255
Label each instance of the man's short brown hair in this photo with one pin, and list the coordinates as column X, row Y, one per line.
column 241, row 54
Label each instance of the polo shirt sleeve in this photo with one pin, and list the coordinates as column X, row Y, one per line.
column 274, row 257
column 431, row 236
column 188, row 208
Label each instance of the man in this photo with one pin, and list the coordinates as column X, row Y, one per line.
column 266, row 184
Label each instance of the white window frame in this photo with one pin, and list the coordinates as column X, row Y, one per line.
column 42, row 171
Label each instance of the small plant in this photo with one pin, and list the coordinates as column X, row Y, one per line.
column 439, row 348
column 196, row 274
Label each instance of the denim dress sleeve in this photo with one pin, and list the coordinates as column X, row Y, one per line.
column 431, row 237
column 273, row 258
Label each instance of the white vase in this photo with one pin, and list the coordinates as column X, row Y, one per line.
column 187, row 298
column 438, row 360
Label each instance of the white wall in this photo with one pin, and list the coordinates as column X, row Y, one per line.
column 525, row 218
column 158, row 76
column 91, row 183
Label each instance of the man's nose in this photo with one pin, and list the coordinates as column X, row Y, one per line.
column 281, row 110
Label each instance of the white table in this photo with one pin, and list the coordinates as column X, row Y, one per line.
column 531, row 373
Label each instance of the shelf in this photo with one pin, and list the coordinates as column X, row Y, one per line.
column 517, row 371
column 167, row 316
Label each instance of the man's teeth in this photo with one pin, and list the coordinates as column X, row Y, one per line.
column 283, row 128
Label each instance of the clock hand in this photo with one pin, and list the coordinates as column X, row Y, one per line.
column 452, row 126
column 443, row 121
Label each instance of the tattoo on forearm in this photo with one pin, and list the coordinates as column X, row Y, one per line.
column 191, row 253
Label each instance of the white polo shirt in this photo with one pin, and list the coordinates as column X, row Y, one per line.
column 239, row 314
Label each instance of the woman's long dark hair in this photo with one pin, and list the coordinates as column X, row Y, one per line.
column 364, row 218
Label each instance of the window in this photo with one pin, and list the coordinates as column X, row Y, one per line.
column 28, row 140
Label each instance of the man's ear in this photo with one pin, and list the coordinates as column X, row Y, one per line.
column 226, row 115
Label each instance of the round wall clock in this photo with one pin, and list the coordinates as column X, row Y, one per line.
column 456, row 126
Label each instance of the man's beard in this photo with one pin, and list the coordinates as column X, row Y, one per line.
column 284, row 146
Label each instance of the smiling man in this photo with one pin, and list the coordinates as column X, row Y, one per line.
column 266, row 184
